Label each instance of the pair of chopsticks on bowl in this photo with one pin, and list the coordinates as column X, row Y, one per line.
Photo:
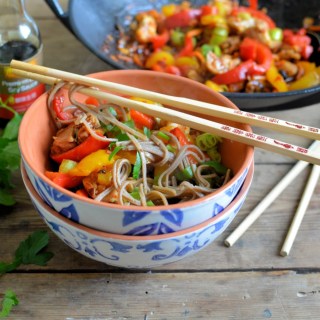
column 52, row 76
column 273, row 194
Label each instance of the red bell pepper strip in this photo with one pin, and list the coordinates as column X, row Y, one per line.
column 142, row 120
column 251, row 49
column 88, row 146
column 160, row 40
column 207, row 9
column 188, row 47
column 83, row 193
column 172, row 70
column 57, row 105
column 93, row 101
column 183, row 18
column 183, row 140
column 300, row 40
column 253, row 4
column 180, row 135
column 237, row 74
column 63, row 179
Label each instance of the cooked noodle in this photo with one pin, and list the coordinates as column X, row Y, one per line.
column 150, row 173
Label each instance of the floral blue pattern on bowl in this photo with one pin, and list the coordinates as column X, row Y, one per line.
column 137, row 251
column 134, row 221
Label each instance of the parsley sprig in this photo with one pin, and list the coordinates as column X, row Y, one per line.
column 9, row 156
column 9, row 300
column 30, row 251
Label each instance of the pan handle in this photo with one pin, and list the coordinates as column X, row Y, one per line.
column 60, row 13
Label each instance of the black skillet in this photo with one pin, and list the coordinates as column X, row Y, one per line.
column 92, row 20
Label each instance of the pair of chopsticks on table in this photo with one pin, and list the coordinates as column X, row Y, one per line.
column 52, row 76
column 312, row 155
column 273, row 194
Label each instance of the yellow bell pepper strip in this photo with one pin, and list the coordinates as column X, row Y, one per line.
column 310, row 79
column 93, row 162
column 88, row 146
column 276, row 79
column 306, row 66
column 169, row 9
column 159, row 57
column 215, row 86
column 129, row 155
column 105, row 178
column 63, row 180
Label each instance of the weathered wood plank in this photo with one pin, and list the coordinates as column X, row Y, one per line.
column 245, row 295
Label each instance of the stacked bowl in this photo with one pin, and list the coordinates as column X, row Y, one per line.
column 133, row 236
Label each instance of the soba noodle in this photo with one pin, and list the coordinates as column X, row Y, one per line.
column 148, row 166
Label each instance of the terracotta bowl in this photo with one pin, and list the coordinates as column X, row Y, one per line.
column 35, row 137
column 137, row 251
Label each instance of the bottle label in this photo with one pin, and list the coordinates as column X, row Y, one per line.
column 19, row 93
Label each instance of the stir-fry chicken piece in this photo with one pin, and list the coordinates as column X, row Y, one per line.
column 221, row 64
column 289, row 53
column 147, row 28
column 64, row 140
column 231, row 45
column 287, row 68
column 72, row 135
column 240, row 25
column 261, row 33
column 94, row 188
column 257, row 84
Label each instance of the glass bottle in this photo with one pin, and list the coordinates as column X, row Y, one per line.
column 20, row 40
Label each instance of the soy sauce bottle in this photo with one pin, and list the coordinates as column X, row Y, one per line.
column 20, row 40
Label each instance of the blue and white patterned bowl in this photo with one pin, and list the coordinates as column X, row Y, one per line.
column 37, row 128
column 137, row 251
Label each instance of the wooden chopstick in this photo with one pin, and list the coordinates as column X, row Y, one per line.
column 183, row 104
column 198, row 123
column 269, row 199
column 301, row 210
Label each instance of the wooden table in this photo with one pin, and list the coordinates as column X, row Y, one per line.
column 247, row 281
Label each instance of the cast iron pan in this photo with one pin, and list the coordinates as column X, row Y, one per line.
column 91, row 21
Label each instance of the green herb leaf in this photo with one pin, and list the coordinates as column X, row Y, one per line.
column 6, row 199
column 185, row 174
column 29, row 252
column 217, row 166
column 10, row 300
column 115, row 151
column 137, row 167
column 12, row 128
column 147, row 132
column 9, row 157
